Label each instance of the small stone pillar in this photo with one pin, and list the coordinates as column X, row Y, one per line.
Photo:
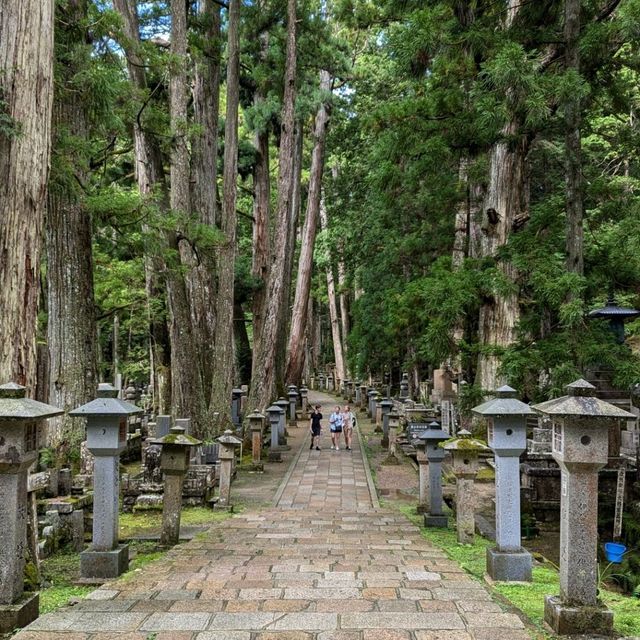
column 321, row 381
column 106, row 439
column 256, row 423
column 236, row 397
column 579, row 445
column 345, row 389
column 393, row 422
column 228, row 442
column 21, row 421
column 358, row 394
column 293, row 403
column 284, row 405
column 363, row 397
column 404, row 387
column 465, row 450
column 275, row 454
column 304, row 399
column 423, row 477
column 385, row 408
column 507, row 437
column 174, row 463
column 432, row 437
column 371, row 394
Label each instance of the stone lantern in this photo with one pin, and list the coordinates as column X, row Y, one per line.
column 432, row 437
column 579, row 445
column 275, row 454
column 21, row 422
column 371, row 394
column 321, row 381
column 357, row 390
column 465, row 450
column 228, row 442
column 616, row 315
column 106, row 439
column 174, row 463
column 282, row 433
column 293, row 403
column 393, row 419
column 304, row 399
column 385, row 408
column 404, row 387
column 507, row 437
column 236, row 399
column 256, row 423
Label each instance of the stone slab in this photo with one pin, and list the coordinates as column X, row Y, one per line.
column 509, row 566
column 14, row 616
column 567, row 620
column 104, row 565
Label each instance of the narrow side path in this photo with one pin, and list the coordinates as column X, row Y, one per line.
column 324, row 564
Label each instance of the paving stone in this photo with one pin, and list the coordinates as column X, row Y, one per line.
column 385, row 634
column 242, row 620
column 224, row 635
column 177, row 622
column 53, row 635
column 102, row 594
column 178, row 594
column 376, row 620
column 479, row 606
column 500, row 634
column 443, row 635
column 307, row 621
column 494, row 620
column 284, row 635
column 109, row 621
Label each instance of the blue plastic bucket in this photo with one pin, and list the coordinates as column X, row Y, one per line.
column 614, row 551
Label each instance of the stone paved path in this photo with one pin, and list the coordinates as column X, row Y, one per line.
column 325, row 563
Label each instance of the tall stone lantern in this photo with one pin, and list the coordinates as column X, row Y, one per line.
column 284, row 405
column 174, row 463
column 275, row 452
column 304, row 400
column 293, row 403
column 393, row 421
column 404, row 387
column 435, row 454
column 21, row 422
column 106, row 440
column 507, row 437
column 256, row 424
column 465, row 450
column 371, row 395
column 228, row 442
column 385, row 406
column 581, row 424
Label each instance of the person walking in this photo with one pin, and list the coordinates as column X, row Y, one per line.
column 349, row 423
column 336, row 423
column 316, row 427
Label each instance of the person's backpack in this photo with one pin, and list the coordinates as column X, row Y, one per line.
column 354, row 422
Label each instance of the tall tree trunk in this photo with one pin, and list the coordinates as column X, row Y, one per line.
column 151, row 181
column 204, row 156
column 333, row 307
column 344, row 310
column 187, row 392
column 71, row 321
column 261, row 206
column 264, row 362
column 26, row 90
column 299, row 317
column 296, row 196
column 573, row 150
column 222, row 384
column 507, row 199
column 242, row 345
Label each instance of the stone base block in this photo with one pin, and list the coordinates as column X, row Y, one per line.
column 257, row 467
column 422, row 508
column 509, row 566
column 384, row 443
column 101, row 565
column 20, row 614
column 566, row 619
column 275, row 456
column 436, row 521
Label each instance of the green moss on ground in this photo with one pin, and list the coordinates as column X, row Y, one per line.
column 148, row 522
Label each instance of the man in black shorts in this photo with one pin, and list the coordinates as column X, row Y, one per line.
column 316, row 427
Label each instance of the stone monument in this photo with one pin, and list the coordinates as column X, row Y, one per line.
column 432, row 437
column 256, row 424
column 106, row 439
column 228, row 442
column 507, row 437
column 385, row 408
column 581, row 424
column 21, row 421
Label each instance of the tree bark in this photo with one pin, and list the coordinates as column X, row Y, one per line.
column 261, row 206
column 71, row 321
column 507, row 198
column 151, row 181
column 26, row 90
column 187, row 392
column 344, row 310
column 573, row 150
column 222, row 383
column 300, row 314
column 333, row 307
column 204, row 155
column 264, row 362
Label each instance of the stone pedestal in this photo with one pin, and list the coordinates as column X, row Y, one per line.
column 19, row 614
column 382, row 415
column 228, row 442
column 565, row 619
column 256, row 422
column 293, row 402
column 423, row 483
column 274, row 422
column 100, row 566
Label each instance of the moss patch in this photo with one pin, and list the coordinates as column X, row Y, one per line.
column 149, row 521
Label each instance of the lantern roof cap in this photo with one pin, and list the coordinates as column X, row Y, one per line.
column 581, row 401
column 434, row 432
column 256, row 415
column 228, row 438
column 612, row 310
column 106, row 404
column 177, row 436
column 505, row 403
column 464, row 441
column 14, row 405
